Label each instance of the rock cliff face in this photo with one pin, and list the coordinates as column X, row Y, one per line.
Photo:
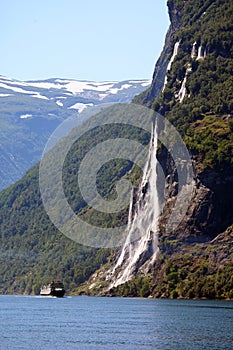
column 191, row 88
column 210, row 212
column 196, row 99
column 163, row 61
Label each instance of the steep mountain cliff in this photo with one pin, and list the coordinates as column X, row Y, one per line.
column 197, row 99
column 192, row 88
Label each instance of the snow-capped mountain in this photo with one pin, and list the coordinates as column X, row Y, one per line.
column 31, row 110
column 64, row 92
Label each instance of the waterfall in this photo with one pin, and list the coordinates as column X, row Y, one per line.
column 194, row 50
column 174, row 54
column 181, row 94
column 201, row 53
column 141, row 245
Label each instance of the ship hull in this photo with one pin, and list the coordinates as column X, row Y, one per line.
column 58, row 294
column 54, row 289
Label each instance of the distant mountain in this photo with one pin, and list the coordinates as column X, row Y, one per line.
column 30, row 111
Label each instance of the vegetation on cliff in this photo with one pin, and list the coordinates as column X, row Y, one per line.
column 196, row 271
column 205, row 115
column 196, row 260
column 197, row 98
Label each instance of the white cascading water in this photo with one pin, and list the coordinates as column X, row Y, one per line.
column 141, row 245
column 201, row 53
column 194, row 50
column 181, row 94
column 174, row 54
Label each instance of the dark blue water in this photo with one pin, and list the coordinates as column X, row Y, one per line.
column 114, row 323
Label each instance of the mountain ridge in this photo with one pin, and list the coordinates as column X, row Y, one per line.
column 31, row 111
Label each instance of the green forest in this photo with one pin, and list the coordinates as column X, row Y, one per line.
column 33, row 251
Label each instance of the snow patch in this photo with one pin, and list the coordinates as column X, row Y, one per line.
column 45, row 85
column 80, row 106
column 5, row 95
column 146, row 83
column 40, row 96
column 59, row 103
column 76, row 87
column 15, row 89
column 115, row 90
column 25, row 116
column 69, row 87
column 22, row 91
column 5, row 78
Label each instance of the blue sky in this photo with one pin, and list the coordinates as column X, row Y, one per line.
column 99, row 40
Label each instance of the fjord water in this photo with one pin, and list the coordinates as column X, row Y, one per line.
column 87, row 323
